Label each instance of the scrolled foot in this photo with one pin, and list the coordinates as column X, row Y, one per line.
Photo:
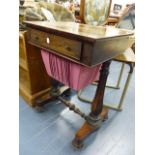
column 77, row 143
column 82, row 133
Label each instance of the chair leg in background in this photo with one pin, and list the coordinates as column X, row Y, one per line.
column 120, row 104
column 125, row 87
column 119, row 79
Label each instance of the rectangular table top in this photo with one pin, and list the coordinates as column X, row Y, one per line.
column 80, row 31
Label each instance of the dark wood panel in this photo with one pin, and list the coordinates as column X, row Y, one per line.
column 62, row 45
column 107, row 49
column 86, row 57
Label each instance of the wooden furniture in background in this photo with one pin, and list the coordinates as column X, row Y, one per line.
column 33, row 79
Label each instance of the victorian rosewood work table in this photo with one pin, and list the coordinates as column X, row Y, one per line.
column 86, row 45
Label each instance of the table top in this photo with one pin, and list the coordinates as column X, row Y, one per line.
column 80, row 31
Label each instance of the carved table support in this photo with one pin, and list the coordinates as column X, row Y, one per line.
column 51, row 96
column 72, row 107
column 98, row 112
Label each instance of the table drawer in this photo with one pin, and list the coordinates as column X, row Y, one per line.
column 59, row 44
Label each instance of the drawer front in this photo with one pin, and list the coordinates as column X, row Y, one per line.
column 59, row 44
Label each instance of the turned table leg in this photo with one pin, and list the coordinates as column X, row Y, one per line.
column 98, row 112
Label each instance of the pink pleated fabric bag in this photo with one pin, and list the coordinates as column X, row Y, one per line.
column 69, row 73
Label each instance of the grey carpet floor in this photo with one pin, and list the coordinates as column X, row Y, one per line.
column 51, row 132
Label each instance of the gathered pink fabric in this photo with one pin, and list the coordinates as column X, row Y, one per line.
column 69, row 73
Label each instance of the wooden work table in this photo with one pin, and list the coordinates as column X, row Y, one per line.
column 88, row 46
